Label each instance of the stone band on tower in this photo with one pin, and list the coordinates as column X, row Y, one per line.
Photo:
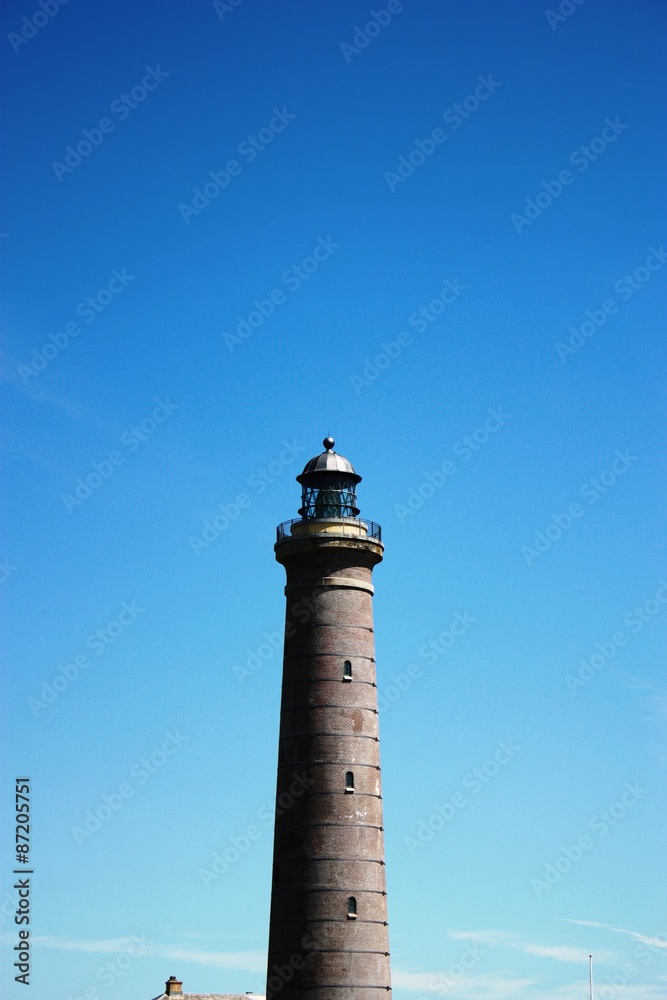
column 328, row 936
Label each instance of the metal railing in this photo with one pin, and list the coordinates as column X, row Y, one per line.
column 350, row 526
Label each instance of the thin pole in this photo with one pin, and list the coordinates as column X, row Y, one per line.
column 590, row 975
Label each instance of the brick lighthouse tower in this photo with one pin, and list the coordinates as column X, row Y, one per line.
column 328, row 937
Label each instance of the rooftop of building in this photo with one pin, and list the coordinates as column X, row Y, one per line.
column 211, row 996
column 174, row 991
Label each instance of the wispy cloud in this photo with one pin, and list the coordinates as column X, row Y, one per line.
column 63, row 944
column 246, row 961
column 40, row 392
column 505, row 939
column 503, row 986
column 482, row 937
column 499, row 985
column 654, row 942
column 563, row 953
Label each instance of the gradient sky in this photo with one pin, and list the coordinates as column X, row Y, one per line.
column 435, row 234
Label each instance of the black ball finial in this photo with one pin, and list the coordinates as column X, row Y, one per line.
column 328, row 443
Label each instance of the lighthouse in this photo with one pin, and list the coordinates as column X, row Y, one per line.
column 328, row 934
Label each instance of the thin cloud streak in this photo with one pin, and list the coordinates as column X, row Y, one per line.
column 505, row 939
column 654, row 942
column 246, row 961
column 41, row 393
column 486, row 986
column 503, row 986
column 104, row 945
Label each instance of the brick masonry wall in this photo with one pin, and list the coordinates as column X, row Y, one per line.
column 328, row 843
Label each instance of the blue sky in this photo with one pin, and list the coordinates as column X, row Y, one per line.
column 434, row 232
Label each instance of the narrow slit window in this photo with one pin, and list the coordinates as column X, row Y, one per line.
column 351, row 908
column 347, row 671
column 349, row 781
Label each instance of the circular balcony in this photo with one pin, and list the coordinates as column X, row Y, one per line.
column 348, row 526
